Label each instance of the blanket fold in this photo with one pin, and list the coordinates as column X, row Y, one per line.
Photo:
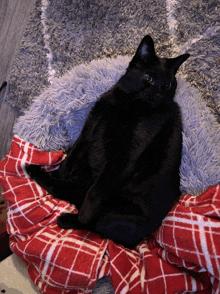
column 183, row 256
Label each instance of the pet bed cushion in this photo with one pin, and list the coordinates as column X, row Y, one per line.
column 182, row 256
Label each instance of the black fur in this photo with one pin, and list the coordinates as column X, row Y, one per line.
column 4, row 84
column 122, row 173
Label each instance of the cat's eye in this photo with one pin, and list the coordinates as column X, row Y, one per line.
column 148, row 78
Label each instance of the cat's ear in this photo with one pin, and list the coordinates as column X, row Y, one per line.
column 176, row 62
column 146, row 48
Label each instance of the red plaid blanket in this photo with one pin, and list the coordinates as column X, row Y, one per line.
column 183, row 256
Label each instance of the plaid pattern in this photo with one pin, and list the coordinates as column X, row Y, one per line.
column 183, row 256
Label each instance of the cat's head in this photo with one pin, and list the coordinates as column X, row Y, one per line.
column 150, row 78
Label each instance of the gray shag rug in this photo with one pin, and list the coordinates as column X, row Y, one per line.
column 72, row 51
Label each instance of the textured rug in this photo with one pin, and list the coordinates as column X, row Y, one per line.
column 72, row 51
column 63, row 34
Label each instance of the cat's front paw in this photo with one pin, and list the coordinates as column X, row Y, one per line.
column 68, row 221
column 33, row 170
column 71, row 221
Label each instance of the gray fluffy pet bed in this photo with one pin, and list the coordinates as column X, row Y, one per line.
column 56, row 117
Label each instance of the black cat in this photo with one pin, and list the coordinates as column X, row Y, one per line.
column 122, row 173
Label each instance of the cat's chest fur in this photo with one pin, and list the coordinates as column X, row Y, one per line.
column 128, row 133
